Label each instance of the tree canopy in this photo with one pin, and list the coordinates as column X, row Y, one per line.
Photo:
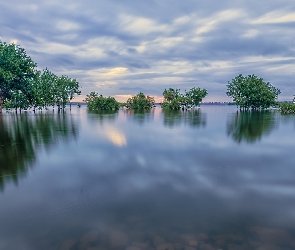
column 23, row 86
column 175, row 100
column 96, row 102
column 287, row 108
column 251, row 92
column 140, row 102
column 17, row 71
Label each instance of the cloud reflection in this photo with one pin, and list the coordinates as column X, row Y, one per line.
column 115, row 136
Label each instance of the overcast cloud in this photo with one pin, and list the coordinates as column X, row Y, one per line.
column 121, row 47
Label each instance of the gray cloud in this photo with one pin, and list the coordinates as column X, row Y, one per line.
column 123, row 47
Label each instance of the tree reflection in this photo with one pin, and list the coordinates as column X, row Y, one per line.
column 194, row 118
column 22, row 135
column 250, row 126
column 102, row 115
column 140, row 116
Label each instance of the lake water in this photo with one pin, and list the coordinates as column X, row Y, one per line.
column 214, row 178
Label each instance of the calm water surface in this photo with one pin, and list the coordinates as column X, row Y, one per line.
column 214, row 178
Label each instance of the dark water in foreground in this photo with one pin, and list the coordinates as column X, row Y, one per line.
column 209, row 179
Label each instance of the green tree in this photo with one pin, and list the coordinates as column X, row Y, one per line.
column 17, row 70
column 287, row 108
column 171, row 94
column 251, row 92
column 140, row 102
column 64, row 90
column 194, row 96
column 18, row 100
column 72, row 89
column 45, row 89
column 175, row 100
column 96, row 102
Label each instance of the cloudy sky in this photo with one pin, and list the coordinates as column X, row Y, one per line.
column 121, row 47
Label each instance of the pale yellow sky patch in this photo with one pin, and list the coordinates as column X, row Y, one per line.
column 285, row 69
column 251, row 33
column 275, row 17
column 218, row 64
column 65, row 25
column 159, row 44
column 142, row 47
column 115, row 72
column 168, row 41
column 182, row 20
column 105, row 83
column 53, row 48
column 207, row 24
column 230, row 14
column 107, row 72
column 122, row 98
column 15, row 41
column 95, row 48
column 255, row 59
column 206, row 27
column 140, row 25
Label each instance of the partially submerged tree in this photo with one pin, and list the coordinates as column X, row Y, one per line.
column 175, row 100
column 140, row 102
column 17, row 70
column 96, row 102
column 287, row 107
column 251, row 92
column 23, row 86
column 17, row 100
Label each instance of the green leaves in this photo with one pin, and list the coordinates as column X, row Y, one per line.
column 96, row 102
column 140, row 101
column 17, row 70
column 287, row 108
column 23, row 86
column 174, row 100
column 251, row 92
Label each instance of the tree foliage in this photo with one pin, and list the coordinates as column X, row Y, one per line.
column 96, row 102
column 175, row 100
column 287, row 108
column 23, row 86
column 17, row 70
column 251, row 92
column 140, row 102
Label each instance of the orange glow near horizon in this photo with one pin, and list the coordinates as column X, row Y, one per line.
column 158, row 99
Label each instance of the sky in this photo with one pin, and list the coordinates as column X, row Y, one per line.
column 121, row 47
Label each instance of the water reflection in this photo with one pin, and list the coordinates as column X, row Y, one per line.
column 250, row 126
column 21, row 135
column 194, row 118
column 288, row 118
column 102, row 116
column 129, row 182
column 140, row 116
